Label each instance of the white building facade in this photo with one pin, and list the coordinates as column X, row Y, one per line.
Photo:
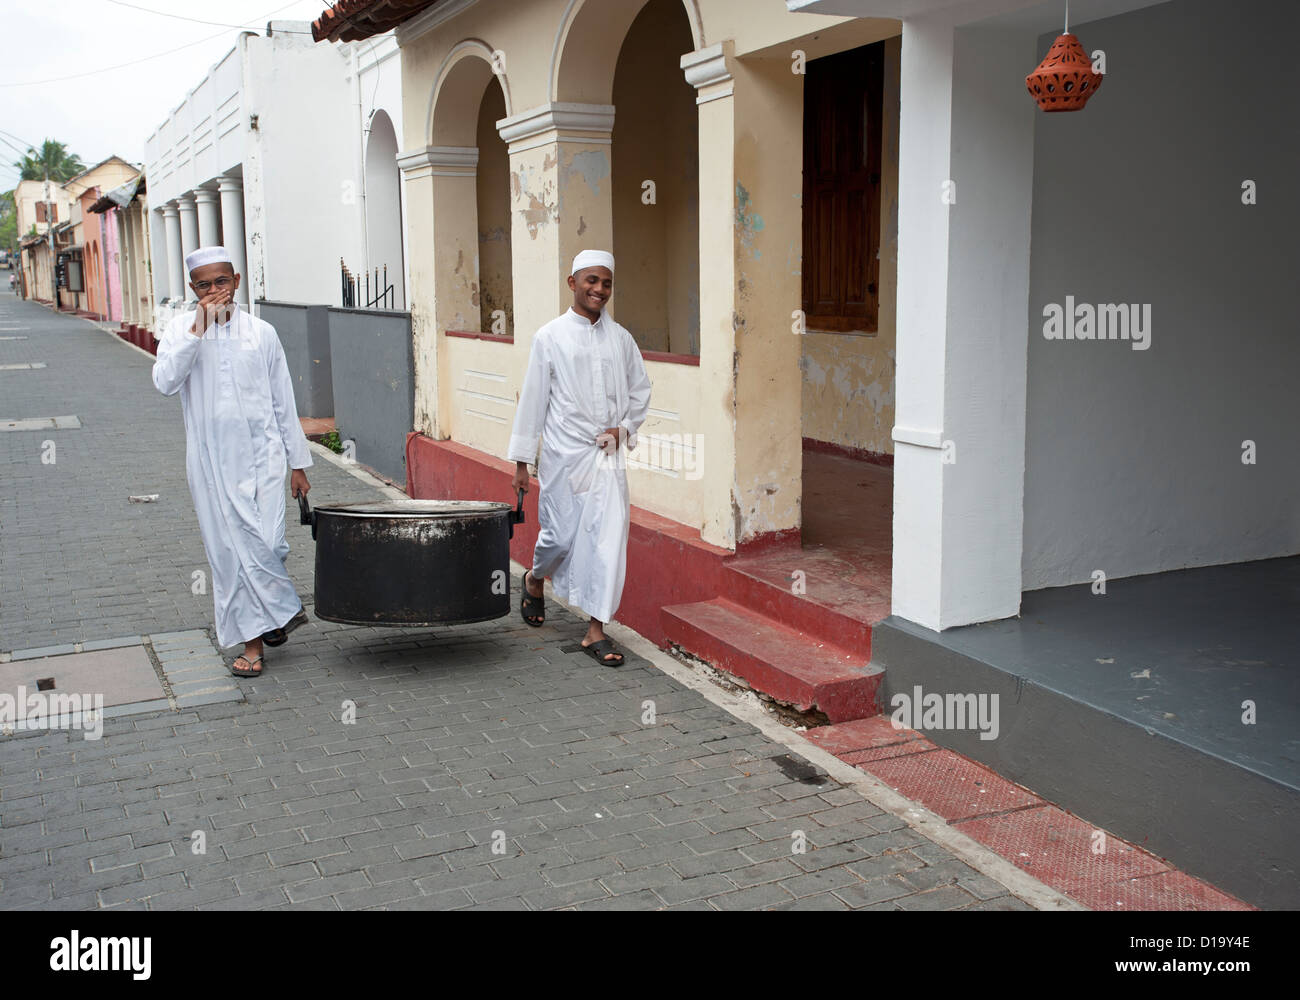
column 273, row 155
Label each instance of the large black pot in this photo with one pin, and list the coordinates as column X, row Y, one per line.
column 412, row 562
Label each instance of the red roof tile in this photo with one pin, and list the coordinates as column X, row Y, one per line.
column 352, row 20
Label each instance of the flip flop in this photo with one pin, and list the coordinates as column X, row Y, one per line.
column 249, row 672
column 530, row 605
column 599, row 650
column 279, row 636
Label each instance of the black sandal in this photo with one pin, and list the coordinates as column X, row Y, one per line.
column 531, row 607
column 279, row 636
column 599, row 650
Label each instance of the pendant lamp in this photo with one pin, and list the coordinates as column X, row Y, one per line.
column 1064, row 80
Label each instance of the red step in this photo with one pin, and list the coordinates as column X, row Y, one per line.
column 783, row 662
column 835, row 601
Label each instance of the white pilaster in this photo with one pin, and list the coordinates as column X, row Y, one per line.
column 232, row 224
column 171, row 242
column 965, row 175
column 189, row 230
column 209, row 217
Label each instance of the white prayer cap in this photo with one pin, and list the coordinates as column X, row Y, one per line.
column 593, row 258
column 207, row 255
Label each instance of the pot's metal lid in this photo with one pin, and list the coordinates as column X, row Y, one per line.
column 416, row 508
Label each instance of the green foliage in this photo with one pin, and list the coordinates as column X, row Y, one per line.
column 333, row 442
column 62, row 165
column 8, row 223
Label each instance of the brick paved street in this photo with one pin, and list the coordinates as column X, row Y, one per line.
column 488, row 765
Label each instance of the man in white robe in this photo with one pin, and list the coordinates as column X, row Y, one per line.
column 241, row 426
column 585, row 394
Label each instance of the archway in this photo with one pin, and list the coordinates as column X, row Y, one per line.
column 656, row 188
column 495, row 283
column 384, row 206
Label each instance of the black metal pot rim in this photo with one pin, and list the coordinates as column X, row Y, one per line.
column 382, row 623
column 417, row 508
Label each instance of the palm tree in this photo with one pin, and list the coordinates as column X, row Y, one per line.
column 54, row 157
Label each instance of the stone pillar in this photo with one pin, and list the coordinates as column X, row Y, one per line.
column 232, row 226
column 126, row 264
column 963, row 323
column 189, row 232
column 172, row 244
column 209, row 217
column 442, row 206
column 750, row 196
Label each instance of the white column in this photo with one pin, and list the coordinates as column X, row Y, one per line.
column 172, row 246
column 189, row 231
column 965, row 171
column 209, row 217
column 126, row 264
column 232, row 225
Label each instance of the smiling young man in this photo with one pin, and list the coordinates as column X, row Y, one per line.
column 241, row 427
column 585, row 394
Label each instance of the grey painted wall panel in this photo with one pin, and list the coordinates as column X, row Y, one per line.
column 1133, row 457
column 304, row 334
column 374, row 385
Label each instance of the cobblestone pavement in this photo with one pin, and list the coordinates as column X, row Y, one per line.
column 488, row 765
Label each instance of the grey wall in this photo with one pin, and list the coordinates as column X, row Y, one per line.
column 304, row 334
column 374, row 385
column 1133, row 458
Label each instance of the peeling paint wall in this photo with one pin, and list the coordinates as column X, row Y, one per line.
column 848, row 379
column 728, row 239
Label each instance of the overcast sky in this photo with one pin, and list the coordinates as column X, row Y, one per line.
column 112, row 110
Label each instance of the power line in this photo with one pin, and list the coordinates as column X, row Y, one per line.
column 178, row 17
column 136, row 62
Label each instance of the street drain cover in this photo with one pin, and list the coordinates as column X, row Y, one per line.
column 123, row 676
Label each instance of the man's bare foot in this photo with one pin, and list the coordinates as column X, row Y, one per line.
column 252, row 656
column 534, row 585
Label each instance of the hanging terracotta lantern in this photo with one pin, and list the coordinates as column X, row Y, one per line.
column 1064, row 80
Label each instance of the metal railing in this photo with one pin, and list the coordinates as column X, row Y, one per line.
column 360, row 292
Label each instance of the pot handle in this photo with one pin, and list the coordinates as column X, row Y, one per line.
column 306, row 514
column 516, row 516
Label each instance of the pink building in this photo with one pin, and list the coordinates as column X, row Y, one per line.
column 100, row 254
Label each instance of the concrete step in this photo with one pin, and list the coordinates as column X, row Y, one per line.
column 833, row 599
column 785, row 663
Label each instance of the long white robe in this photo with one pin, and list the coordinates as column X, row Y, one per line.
column 241, row 425
column 582, row 378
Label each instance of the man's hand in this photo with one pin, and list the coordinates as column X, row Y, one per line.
column 520, row 480
column 298, row 485
column 609, row 439
column 210, row 308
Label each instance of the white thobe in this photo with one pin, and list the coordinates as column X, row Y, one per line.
column 582, row 378
column 241, row 425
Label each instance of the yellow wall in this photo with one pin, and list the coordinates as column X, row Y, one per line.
column 725, row 434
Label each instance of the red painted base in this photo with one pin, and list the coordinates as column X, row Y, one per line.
column 793, row 621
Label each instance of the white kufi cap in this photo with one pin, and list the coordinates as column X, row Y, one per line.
column 207, row 255
column 593, row 258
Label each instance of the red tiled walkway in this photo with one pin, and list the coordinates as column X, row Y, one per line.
column 1085, row 863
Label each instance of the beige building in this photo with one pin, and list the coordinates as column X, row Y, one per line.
column 534, row 130
column 38, row 210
